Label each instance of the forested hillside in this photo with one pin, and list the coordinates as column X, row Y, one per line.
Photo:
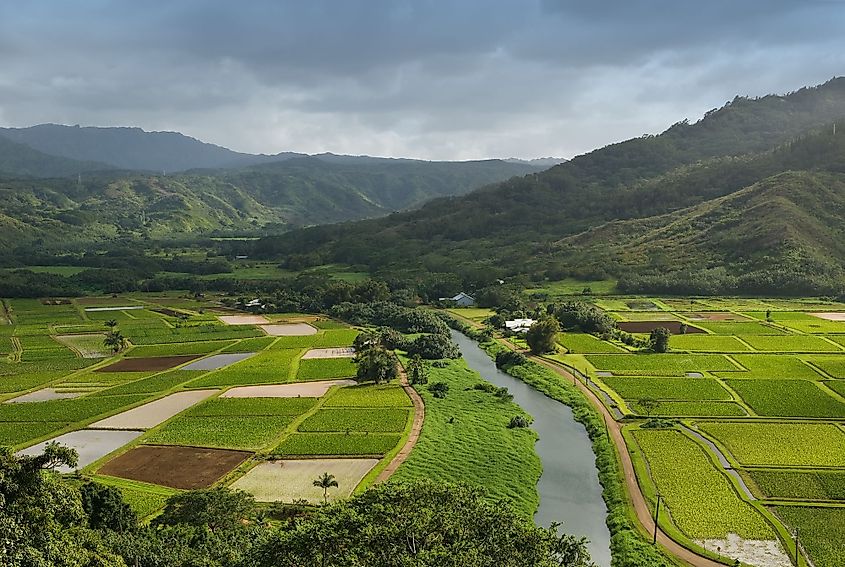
column 529, row 225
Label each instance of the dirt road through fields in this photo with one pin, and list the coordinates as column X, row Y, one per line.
column 416, row 427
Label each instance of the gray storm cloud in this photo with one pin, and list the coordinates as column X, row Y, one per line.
column 436, row 80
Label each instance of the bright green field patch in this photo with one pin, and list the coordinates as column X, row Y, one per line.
column 157, row 383
column 89, row 346
column 381, row 420
column 266, row 367
column 66, row 411
column 369, row 395
column 582, row 343
column 659, row 364
column 253, row 406
column 787, row 398
column 707, row 343
column 250, row 345
column 145, row 499
column 19, row 433
column 323, row 339
column 465, row 438
column 807, row 485
column 199, row 347
column 781, row 444
column 803, row 322
column 328, row 444
column 833, row 365
column 702, row 501
column 791, row 343
column 477, row 314
column 326, row 369
column 739, row 328
column 243, row 432
column 822, row 532
column 771, row 366
column 837, row 386
column 662, row 388
column 698, row 409
column 205, row 332
column 329, row 324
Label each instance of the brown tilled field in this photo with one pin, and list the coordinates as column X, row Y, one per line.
column 648, row 326
column 154, row 363
column 187, row 468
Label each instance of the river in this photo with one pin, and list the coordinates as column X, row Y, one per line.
column 569, row 487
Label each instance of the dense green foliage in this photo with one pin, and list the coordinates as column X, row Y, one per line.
column 739, row 201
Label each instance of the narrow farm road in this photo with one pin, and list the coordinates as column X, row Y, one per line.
column 637, row 499
column 416, row 427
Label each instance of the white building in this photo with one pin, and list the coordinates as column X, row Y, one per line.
column 519, row 325
column 461, row 300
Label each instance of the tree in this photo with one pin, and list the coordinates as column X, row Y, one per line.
column 648, row 405
column 325, row 481
column 439, row 389
column 218, row 509
column 419, row 523
column 106, row 508
column 111, row 323
column 434, row 346
column 683, row 328
column 542, row 335
column 376, row 364
column 659, row 339
column 417, row 371
column 116, row 341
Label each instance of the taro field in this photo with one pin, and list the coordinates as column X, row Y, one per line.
column 740, row 425
column 200, row 396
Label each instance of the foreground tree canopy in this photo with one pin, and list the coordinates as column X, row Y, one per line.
column 46, row 520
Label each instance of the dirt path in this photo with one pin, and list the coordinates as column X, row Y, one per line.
column 633, row 488
column 416, row 427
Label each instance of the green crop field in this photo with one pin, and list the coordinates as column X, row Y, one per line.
column 266, row 367
column 659, row 364
column 326, row 369
column 336, row 444
column 771, row 366
column 822, row 532
column 242, row 432
column 675, row 408
column 582, row 343
column 662, row 388
column 375, row 420
column 739, row 328
column 156, row 383
column 204, row 332
column 66, row 411
column 702, row 501
column 707, row 343
column 369, row 395
column 199, row 347
column 801, row 322
column 787, row 398
column 781, row 444
column 19, row 433
column 254, row 344
column 145, row 499
column 833, row 365
column 465, row 438
column 805, row 485
column 330, row 338
column 791, row 343
column 233, row 407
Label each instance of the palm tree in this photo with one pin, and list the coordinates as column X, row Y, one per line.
column 325, row 481
column 111, row 323
column 116, row 341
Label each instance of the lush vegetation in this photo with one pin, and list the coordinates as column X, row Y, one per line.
column 702, row 501
column 822, row 531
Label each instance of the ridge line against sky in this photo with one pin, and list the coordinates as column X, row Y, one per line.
column 420, row 79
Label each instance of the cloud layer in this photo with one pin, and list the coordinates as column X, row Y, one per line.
column 428, row 79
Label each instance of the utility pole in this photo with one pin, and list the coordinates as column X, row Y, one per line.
column 656, row 518
column 797, row 532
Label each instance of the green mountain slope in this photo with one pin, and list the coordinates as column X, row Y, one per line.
column 521, row 226
column 278, row 196
column 18, row 160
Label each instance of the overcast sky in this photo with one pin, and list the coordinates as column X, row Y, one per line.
column 426, row 79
